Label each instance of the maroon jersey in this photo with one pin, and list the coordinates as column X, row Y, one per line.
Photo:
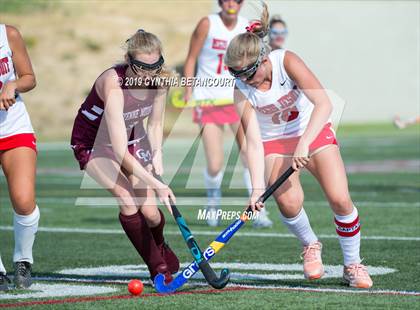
column 89, row 130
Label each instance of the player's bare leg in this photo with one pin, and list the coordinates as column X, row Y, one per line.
column 213, row 175
column 146, row 200
column 262, row 221
column 328, row 167
column 19, row 166
column 4, row 279
column 108, row 174
column 289, row 198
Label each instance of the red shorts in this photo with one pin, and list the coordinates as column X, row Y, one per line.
column 141, row 150
column 218, row 115
column 288, row 146
column 19, row 140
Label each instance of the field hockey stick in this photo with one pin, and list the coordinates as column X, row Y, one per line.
column 209, row 274
column 217, row 244
column 177, row 100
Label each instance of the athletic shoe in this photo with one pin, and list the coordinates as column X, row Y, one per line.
column 23, row 278
column 211, row 215
column 4, row 282
column 356, row 275
column 312, row 261
column 170, row 258
column 262, row 220
column 163, row 269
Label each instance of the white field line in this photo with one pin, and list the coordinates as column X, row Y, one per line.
column 110, row 202
column 277, row 271
column 74, row 176
column 38, row 290
column 184, row 142
column 330, row 290
column 256, row 286
column 94, row 202
column 202, row 233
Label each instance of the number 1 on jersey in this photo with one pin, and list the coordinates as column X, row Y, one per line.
column 220, row 64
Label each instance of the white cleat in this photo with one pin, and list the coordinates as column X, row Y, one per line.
column 211, row 215
column 262, row 221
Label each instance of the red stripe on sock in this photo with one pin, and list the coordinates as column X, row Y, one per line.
column 347, row 225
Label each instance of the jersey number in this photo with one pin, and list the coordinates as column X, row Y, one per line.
column 285, row 116
column 220, row 65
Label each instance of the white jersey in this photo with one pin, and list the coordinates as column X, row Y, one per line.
column 283, row 111
column 16, row 119
column 210, row 61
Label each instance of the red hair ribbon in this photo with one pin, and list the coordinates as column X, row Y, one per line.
column 252, row 26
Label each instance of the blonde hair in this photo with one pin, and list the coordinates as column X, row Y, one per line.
column 143, row 42
column 245, row 48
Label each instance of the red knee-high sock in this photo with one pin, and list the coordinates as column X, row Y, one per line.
column 157, row 231
column 137, row 230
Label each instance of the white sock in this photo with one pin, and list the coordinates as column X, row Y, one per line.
column 213, row 182
column 25, row 227
column 247, row 181
column 300, row 227
column 2, row 269
column 348, row 230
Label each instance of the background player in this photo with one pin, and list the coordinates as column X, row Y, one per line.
column 401, row 124
column 277, row 32
column 207, row 49
column 18, row 151
column 101, row 147
column 285, row 112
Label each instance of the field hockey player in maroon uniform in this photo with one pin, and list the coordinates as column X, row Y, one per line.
column 110, row 142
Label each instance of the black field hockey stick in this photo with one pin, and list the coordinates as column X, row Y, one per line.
column 209, row 274
column 221, row 240
column 273, row 187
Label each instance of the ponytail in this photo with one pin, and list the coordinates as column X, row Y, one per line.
column 246, row 48
column 260, row 26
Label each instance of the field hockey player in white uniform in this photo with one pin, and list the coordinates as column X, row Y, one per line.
column 207, row 49
column 286, row 114
column 18, row 151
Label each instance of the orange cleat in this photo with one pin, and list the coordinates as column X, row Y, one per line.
column 312, row 261
column 356, row 275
